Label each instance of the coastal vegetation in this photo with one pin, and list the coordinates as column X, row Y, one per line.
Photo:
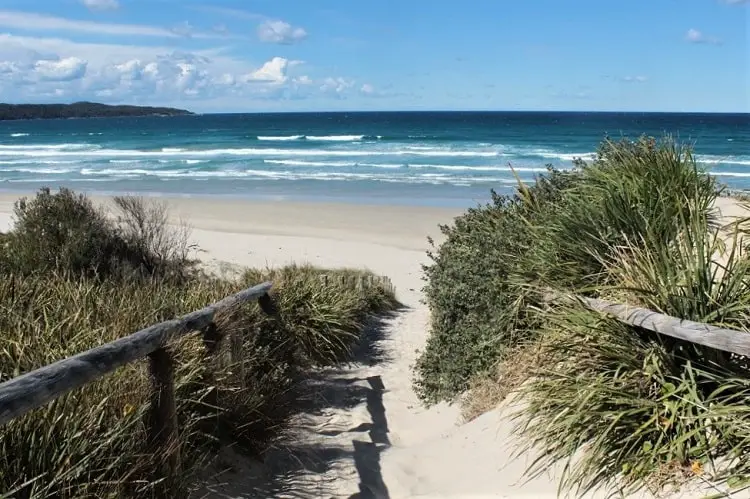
column 81, row 110
column 74, row 276
column 622, row 407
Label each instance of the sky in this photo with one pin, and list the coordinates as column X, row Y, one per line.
column 329, row 55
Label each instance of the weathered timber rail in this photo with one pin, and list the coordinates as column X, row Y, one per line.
column 41, row 386
column 728, row 340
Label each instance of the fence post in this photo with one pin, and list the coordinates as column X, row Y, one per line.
column 164, row 433
column 236, row 342
column 212, row 341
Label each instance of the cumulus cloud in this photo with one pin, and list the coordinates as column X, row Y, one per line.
column 336, row 87
column 635, row 79
column 273, row 71
column 101, row 4
column 39, row 69
column 70, row 68
column 695, row 36
column 280, row 32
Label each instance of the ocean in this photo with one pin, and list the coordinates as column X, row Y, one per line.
column 416, row 158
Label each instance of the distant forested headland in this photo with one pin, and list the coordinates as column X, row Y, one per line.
column 81, row 110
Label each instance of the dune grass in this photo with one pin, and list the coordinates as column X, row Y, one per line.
column 623, row 408
column 73, row 278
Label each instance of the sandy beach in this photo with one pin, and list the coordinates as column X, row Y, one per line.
column 409, row 451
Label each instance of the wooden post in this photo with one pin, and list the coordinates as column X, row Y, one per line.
column 268, row 306
column 164, row 433
column 238, row 363
column 212, row 341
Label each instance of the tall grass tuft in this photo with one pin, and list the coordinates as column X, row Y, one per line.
column 622, row 407
column 131, row 272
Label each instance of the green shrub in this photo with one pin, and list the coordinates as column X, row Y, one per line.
column 485, row 282
column 629, row 190
column 56, row 302
column 61, row 232
column 65, row 232
column 623, row 407
column 477, row 301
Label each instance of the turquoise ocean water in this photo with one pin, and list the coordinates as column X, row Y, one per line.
column 440, row 158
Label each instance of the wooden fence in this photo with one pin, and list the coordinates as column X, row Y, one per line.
column 727, row 340
column 36, row 388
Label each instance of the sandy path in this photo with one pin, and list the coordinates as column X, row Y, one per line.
column 364, row 433
column 366, row 411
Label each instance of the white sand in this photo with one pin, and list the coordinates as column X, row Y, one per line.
column 409, row 451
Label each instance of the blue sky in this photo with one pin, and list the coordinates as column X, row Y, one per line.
column 304, row 55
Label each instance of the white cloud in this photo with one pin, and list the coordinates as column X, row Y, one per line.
column 273, row 71
column 28, row 21
column 71, row 68
column 695, row 36
column 280, row 32
column 635, row 79
column 41, row 22
column 367, row 89
column 35, row 69
column 101, row 4
column 336, row 86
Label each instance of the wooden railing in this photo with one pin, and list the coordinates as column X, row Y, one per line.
column 727, row 340
column 36, row 388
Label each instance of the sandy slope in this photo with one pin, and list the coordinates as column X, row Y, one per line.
column 364, row 433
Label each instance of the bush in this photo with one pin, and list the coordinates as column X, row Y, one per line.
column 623, row 406
column 93, row 442
column 477, row 299
column 64, row 232
column 647, row 409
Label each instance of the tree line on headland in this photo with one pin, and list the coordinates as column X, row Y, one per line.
column 82, row 110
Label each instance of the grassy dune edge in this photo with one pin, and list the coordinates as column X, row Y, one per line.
column 74, row 277
column 624, row 408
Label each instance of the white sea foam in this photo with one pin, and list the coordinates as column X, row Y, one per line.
column 37, row 170
column 37, row 162
column 282, row 138
column 479, row 168
column 19, row 134
column 433, row 178
column 327, row 164
column 87, row 150
column 731, row 174
column 345, row 164
column 724, row 160
column 561, row 156
column 35, row 148
column 335, row 138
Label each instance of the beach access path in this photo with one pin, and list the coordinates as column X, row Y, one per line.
column 365, row 433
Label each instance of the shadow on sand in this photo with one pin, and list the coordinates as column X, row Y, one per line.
column 305, row 467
